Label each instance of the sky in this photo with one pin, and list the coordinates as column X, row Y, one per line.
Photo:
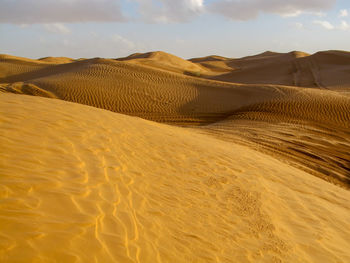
column 186, row 28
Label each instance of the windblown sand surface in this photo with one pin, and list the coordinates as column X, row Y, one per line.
column 258, row 171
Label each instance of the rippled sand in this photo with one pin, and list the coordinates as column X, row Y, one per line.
column 247, row 172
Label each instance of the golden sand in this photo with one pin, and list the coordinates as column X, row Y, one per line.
column 257, row 171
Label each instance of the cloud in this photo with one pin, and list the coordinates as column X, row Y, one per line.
column 59, row 11
column 325, row 24
column 299, row 25
column 343, row 13
column 123, row 42
column 250, row 9
column 344, row 26
column 57, row 28
column 294, row 14
column 167, row 11
column 154, row 11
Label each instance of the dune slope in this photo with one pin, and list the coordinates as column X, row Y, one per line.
column 303, row 126
column 80, row 184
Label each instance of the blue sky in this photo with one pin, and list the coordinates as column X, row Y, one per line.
column 187, row 28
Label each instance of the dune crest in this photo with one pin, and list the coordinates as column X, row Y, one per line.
column 165, row 61
column 56, row 60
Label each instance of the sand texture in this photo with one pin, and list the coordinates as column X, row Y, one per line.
column 254, row 166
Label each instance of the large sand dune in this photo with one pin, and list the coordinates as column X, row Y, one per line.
column 239, row 181
column 81, row 184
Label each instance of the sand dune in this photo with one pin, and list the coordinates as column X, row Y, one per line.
column 81, row 184
column 56, row 60
column 146, row 92
column 169, row 97
column 238, row 181
column 11, row 66
column 214, row 64
column 17, row 69
column 328, row 69
column 165, row 61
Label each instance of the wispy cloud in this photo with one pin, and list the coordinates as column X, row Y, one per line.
column 250, row 9
column 166, row 11
column 329, row 26
column 344, row 26
column 123, row 42
column 57, row 28
column 343, row 13
column 325, row 24
column 73, row 11
column 156, row 11
column 299, row 25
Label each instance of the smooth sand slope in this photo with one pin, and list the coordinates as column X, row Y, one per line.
column 305, row 127
column 80, row 184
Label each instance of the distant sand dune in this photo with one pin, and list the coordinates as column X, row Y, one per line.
column 328, row 69
column 165, row 61
column 57, row 60
column 80, row 184
column 146, row 92
column 11, row 66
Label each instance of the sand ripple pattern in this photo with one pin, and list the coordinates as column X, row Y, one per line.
column 266, row 117
column 141, row 85
column 79, row 184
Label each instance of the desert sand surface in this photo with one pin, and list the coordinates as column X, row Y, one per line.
column 154, row 158
column 80, row 184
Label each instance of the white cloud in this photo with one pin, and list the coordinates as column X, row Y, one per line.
column 157, row 11
column 294, row 14
column 343, row 13
column 344, row 26
column 299, row 25
column 166, row 11
column 325, row 24
column 59, row 11
column 250, row 9
column 123, row 42
column 58, row 28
